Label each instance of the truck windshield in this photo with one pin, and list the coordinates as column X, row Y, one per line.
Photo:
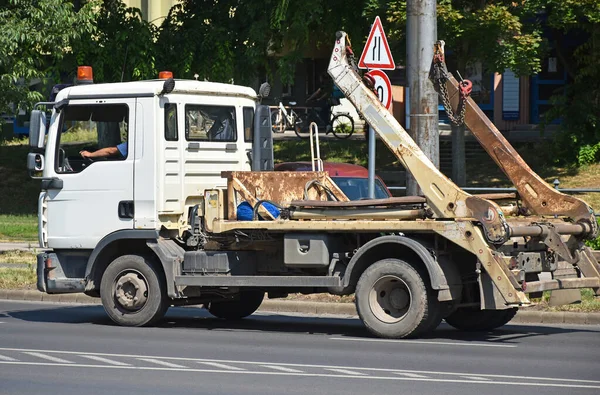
column 358, row 188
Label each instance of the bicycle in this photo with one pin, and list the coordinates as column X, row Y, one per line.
column 341, row 124
column 282, row 121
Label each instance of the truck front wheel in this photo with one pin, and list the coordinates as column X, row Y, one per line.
column 394, row 301
column 133, row 291
column 247, row 303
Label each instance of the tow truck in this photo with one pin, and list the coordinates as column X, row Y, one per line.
column 193, row 213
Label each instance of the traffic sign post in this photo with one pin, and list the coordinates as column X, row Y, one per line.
column 377, row 56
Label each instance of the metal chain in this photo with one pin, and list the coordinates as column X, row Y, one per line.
column 456, row 118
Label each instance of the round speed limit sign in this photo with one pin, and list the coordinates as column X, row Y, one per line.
column 383, row 87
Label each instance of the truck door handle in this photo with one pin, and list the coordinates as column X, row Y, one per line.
column 126, row 209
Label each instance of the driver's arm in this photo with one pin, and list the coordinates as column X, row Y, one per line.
column 101, row 153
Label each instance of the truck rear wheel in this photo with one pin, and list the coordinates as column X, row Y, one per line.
column 394, row 301
column 476, row 320
column 133, row 291
column 249, row 301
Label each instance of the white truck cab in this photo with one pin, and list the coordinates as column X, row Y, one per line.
column 173, row 140
column 173, row 146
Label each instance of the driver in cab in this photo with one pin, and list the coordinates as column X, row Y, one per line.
column 119, row 150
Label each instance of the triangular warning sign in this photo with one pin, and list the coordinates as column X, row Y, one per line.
column 376, row 54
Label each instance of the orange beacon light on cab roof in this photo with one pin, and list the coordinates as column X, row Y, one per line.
column 163, row 75
column 85, row 75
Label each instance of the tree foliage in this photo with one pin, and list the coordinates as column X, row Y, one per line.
column 234, row 39
column 238, row 40
column 34, row 38
column 120, row 45
column 579, row 106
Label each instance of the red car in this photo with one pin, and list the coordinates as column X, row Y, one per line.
column 352, row 179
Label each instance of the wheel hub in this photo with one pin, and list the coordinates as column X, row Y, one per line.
column 131, row 291
column 390, row 299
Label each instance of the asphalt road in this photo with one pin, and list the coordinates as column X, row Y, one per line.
column 67, row 349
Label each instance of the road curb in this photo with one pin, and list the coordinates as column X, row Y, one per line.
column 296, row 306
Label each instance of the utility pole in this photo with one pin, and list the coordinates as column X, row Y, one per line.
column 421, row 34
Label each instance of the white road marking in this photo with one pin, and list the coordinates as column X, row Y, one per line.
column 413, row 375
column 105, row 360
column 524, row 380
column 346, row 371
column 400, row 341
column 163, row 363
column 281, row 368
column 3, row 358
column 364, row 377
column 221, row 366
column 476, row 378
column 48, row 357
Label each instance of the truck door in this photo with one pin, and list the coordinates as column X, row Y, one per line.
column 91, row 198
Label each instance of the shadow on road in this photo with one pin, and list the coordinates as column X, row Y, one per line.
column 195, row 318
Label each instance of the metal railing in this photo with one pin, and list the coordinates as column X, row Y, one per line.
column 556, row 183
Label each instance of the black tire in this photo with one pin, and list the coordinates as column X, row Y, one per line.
column 277, row 122
column 117, row 289
column 302, row 126
column 475, row 320
column 394, row 300
column 247, row 303
column 342, row 126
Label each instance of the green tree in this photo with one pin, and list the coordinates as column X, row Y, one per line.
column 578, row 106
column 34, row 38
column 120, row 47
column 233, row 39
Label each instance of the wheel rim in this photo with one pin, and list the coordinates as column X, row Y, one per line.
column 130, row 290
column 342, row 126
column 390, row 299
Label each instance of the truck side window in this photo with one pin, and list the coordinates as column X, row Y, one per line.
column 248, row 124
column 210, row 123
column 94, row 128
column 171, row 122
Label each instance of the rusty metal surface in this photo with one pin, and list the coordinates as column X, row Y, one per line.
column 565, row 283
column 496, row 196
column 394, row 201
column 444, row 197
column 364, row 226
column 542, row 229
column 538, row 196
column 277, row 186
column 346, row 214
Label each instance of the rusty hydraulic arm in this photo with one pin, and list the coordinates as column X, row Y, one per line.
column 538, row 196
column 481, row 223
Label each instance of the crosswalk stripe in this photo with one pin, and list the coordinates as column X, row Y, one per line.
column 48, row 357
column 105, row 360
column 221, row 366
column 412, row 375
column 281, row 368
column 476, row 378
column 346, row 371
column 163, row 363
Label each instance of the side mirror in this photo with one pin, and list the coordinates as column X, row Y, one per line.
column 35, row 162
column 37, row 129
column 264, row 90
